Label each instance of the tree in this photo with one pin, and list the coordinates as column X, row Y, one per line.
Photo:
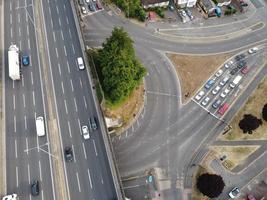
column 264, row 112
column 210, row 185
column 120, row 71
column 249, row 123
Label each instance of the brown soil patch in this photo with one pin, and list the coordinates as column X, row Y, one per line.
column 193, row 71
column 253, row 106
column 128, row 110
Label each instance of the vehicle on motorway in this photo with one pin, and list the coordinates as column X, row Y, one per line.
column 93, row 123
column 68, row 154
column 240, row 57
column 223, row 108
column 224, row 93
column 253, row 50
column 85, row 132
column 216, row 103
column 251, row 197
column 14, row 70
column 98, row 6
column 83, row 10
column 224, row 81
column 80, row 63
column 234, row 71
column 199, row 95
column 35, row 188
column 245, row 70
column 40, row 126
column 234, row 192
column 205, row 101
column 228, row 64
column 91, row 7
column 209, row 84
column 241, row 64
column 219, row 73
column 216, row 90
column 10, row 197
column 236, row 81
column 25, row 60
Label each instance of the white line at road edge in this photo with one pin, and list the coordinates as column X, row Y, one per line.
column 89, row 176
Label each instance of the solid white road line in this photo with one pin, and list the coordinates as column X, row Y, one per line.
column 33, row 98
column 62, row 36
column 69, row 129
column 16, row 149
column 62, row 86
column 89, row 176
column 84, row 100
column 25, row 120
column 95, row 147
column 24, row 103
column 40, row 171
column 84, row 151
column 73, row 49
column 66, row 106
column 29, row 174
column 72, row 89
column 27, row 145
column 56, row 52
column 17, row 176
column 79, row 186
column 74, row 153
column 14, row 101
column 59, row 68
column 65, row 50
column 75, row 104
column 68, row 66
column 15, row 125
column 31, row 78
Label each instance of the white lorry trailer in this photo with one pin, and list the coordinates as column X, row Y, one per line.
column 236, row 81
column 40, row 126
column 13, row 62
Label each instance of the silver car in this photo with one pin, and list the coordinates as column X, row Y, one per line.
column 85, row 132
column 205, row 101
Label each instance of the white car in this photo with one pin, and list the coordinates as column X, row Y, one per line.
column 224, row 93
column 219, row 73
column 216, row 90
column 205, row 101
column 227, row 65
column 85, row 132
column 83, row 10
column 87, row 1
column 253, row 50
column 10, row 197
column 80, row 63
column 199, row 95
column 224, row 81
column 234, row 192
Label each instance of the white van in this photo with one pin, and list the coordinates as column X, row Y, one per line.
column 80, row 63
column 40, row 127
column 236, row 81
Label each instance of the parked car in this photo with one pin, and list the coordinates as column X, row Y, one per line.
column 240, row 57
column 228, row 64
column 25, row 60
column 68, row 154
column 244, row 4
column 182, row 14
column 98, row 6
column 205, row 101
column 219, row 73
column 189, row 14
column 241, row 64
column 91, row 7
column 83, row 10
column 251, row 197
column 216, row 103
column 35, row 188
column 253, row 50
column 216, row 90
column 199, row 95
column 224, row 81
column 234, row 192
column 209, row 84
column 245, row 70
column 234, row 71
column 224, row 93
column 85, row 132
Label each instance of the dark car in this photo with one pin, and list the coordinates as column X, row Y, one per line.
column 233, row 71
column 68, row 154
column 35, row 188
column 240, row 57
column 216, row 103
column 93, row 124
column 91, row 7
column 244, row 4
column 25, row 60
column 241, row 64
column 188, row 12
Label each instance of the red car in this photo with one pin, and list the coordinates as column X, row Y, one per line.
column 223, row 108
column 251, row 197
column 245, row 70
column 98, row 5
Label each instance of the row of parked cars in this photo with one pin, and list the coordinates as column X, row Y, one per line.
column 185, row 14
column 93, row 5
column 239, row 64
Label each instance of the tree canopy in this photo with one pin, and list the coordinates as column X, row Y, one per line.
column 249, row 123
column 264, row 112
column 210, row 185
column 120, row 71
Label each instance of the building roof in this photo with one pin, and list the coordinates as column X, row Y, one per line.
column 150, row 2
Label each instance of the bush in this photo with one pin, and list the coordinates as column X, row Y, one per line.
column 264, row 112
column 249, row 123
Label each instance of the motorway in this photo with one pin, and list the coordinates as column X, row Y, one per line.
column 28, row 156
column 168, row 134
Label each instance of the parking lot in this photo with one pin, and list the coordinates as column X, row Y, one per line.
column 88, row 7
column 221, row 90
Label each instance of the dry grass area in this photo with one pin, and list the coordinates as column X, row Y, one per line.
column 193, row 71
column 253, row 106
column 236, row 155
column 128, row 109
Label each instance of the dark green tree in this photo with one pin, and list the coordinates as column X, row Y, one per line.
column 120, row 71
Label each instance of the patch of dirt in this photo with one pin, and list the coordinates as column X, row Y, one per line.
column 128, row 110
column 235, row 155
column 194, row 71
column 253, row 106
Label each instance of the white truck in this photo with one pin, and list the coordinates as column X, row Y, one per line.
column 40, row 126
column 13, row 62
column 236, row 80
